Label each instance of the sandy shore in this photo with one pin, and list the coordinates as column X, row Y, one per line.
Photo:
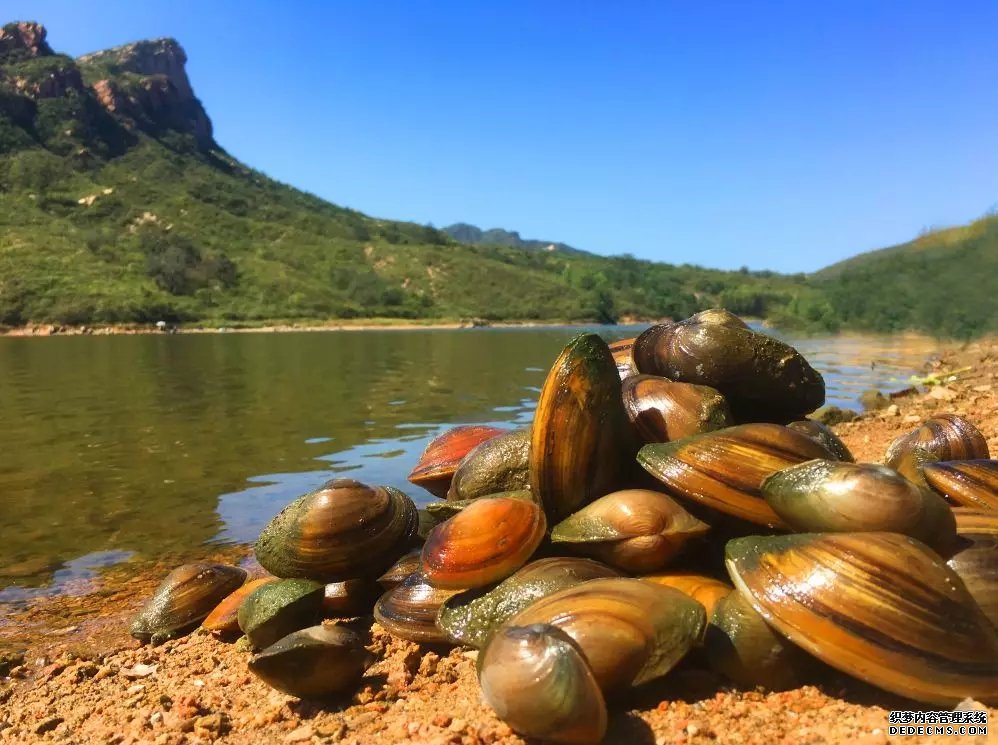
column 81, row 679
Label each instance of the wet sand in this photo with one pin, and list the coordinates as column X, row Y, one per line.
column 79, row 678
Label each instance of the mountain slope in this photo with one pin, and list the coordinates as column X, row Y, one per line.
column 465, row 233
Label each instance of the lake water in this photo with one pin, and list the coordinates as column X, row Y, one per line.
column 132, row 447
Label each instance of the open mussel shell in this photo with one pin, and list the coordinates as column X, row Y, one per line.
column 440, row 460
column 184, row 599
column 582, row 445
column 498, row 464
column 661, row 410
column 484, row 543
column 629, row 630
column 636, row 530
column 401, row 569
column 882, row 607
column 705, row 590
column 472, row 617
column 741, row 646
column 823, row 435
column 536, row 679
column 977, row 559
column 276, row 609
column 342, row 530
column 446, row 509
column 724, row 470
column 316, row 662
column 409, row 610
column 225, row 618
column 943, row 437
column 763, row 379
column 353, row 597
column 621, row 351
column 831, row 496
column 969, row 483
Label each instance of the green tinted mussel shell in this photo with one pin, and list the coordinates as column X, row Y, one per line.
column 823, row 435
column 882, row 607
column 316, row 662
column 832, row 496
column 278, row 608
column 498, row 464
column 184, row 599
column 445, row 510
column 472, row 617
column 536, row 679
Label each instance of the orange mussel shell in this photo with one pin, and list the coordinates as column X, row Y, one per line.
column 486, row 542
column 223, row 620
column 441, row 458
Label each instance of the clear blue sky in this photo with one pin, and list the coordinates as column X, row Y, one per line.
column 778, row 135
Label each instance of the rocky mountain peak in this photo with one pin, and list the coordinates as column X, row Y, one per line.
column 153, row 57
column 23, row 39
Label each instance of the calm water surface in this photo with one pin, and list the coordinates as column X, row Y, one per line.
column 132, row 447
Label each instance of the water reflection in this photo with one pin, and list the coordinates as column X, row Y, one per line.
column 159, row 444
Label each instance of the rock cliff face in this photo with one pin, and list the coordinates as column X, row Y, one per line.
column 23, row 39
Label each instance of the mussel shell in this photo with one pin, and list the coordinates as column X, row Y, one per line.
column 354, row 597
column 823, row 435
column 636, row 530
column 276, row 609
column 724, row 470
column 705, row 590
column 831, row 496
column 316, row 662
column 621, row 351
column 661, row 410
column 763, row 379
column 397, row 572
column 471, row 617
column 741, row 646
column 970, row 483
column 718, row 316
column 880, row 606
column 943, row 437
column 184, row 599
column 582, row 445
column 486, row 542
column 977, row 560
column 225, row 618
column 498, row 464
column 448, row 508
column 442, row 455
column 409, row 610
column 630, row 631
column 537, row 681
column 343, row 530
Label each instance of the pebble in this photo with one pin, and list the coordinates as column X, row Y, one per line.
column 138, row 671
column 912, row 419
column 301, row 734
column 942, row 393
column 48, row 725
column 892, row 410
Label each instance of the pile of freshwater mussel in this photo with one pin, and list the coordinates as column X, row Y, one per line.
column 670, row 497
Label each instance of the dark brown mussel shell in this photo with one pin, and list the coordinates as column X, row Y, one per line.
column 184, row 599
column 977, row 559
column 745, row 649
column 353, row 597
column 621, row 351
column 943, row 437
column 484, row 543
column 316, row 662
column 472, row 617
column 823, row 435
column 705, row 590
column 582, row 445
column 636, row 530
column 409, row 610
column 342, row 530
column 278, row 608
column 969, row 483
column 629, row 630
column 439, row 461
column 820, row 496
column 537, row 680
column 397, row 572
column 724, row 470
column 225, row 618
column 882, row 607
column 661, row 410
column 763, row 379
column 499, row 464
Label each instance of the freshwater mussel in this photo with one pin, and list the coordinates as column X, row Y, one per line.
column 944, row 437
column 444, row 453
column 968, row 483
column 409, row 610
column 662, row 410
column 499, row 464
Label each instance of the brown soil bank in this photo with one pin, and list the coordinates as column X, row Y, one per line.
column 83, row 680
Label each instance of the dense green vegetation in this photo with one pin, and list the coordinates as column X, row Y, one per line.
column 106, row 218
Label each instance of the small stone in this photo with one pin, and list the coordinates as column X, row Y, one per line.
column 872, row 400
column 212, row 724
column 138, row 671
column 135, row 689
column 156, row 717
column 892, row 410
column 48, row 725
column 942, row 393
column 441, row 720
column 458, row 725
column 301, row 734
column 912, row 419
